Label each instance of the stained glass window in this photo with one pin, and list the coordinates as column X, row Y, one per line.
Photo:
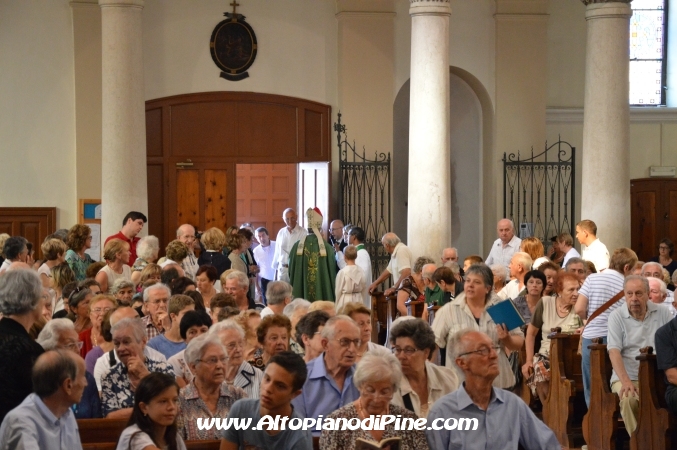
column 647, row 52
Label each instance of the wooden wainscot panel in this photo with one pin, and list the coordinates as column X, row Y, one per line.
column 315, row 145
column 156, row 201
column 154, row 132
column 35, row 224
column 204, row 129
column 267, row 131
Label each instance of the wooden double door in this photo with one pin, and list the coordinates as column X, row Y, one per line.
column 653, row 212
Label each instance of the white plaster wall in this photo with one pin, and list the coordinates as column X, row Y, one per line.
column 297, row 48
column 472, row 41
column 37, row 107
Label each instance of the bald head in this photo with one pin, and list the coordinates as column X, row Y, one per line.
column 505, row 230
column 449, row 254
column 126, row 312
column 336, row 229
column 390, row 241
column 428, row 271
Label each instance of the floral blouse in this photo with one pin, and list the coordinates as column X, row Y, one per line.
column 345, row 439
column 78, row 265
column 192, row 407
column 116, row 390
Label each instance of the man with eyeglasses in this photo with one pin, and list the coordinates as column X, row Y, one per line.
column 186, row 234
column 60, row 334
column 498, row 419
column 330, row 376
column 156, row 299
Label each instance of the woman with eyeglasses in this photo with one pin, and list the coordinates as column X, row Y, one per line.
column 665, row 250
column 273, row 334
column 92, row 337
column 376, row 377
column 152, row 424
column 208, row 395
column 423, row 383
column 239, row 372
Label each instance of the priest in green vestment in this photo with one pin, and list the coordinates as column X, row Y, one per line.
column 312, row 266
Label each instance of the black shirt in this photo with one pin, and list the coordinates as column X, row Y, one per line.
column 216, row 259
column 666, row 348
column 18, row 352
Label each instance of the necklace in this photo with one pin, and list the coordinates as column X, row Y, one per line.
column 562, row 310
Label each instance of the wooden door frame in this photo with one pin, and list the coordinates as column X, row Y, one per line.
column 159, row 143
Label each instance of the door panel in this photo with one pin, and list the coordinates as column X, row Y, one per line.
column 215, row 198
column 670, row 218
column 202, row 195
column 264, row 191
column 32, row 223
column 187, row 197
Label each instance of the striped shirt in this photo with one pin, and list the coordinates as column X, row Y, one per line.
column 599, row 288
column 456, row 316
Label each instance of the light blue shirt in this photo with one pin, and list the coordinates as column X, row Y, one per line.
column 321, row 395
column 505, row 424
column 165, row 346
column 31, row 426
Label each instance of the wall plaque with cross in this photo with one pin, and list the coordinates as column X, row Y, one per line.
column 233, row 45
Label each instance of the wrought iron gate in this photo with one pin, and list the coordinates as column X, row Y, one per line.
column 539, row 192
column 364, row 195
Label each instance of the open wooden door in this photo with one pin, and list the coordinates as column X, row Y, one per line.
column 313, row 187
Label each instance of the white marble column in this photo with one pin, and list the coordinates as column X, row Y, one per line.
column 123, row 179
column 605, row 196
column 429, row 198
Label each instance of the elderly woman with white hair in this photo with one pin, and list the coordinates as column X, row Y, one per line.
column 60, row 334
column 239, row 372
column 119, row 384
column 500, row 276
column 21, row 304
column 294, row 311
column 207, row 395
column 377, row 377
column 147, row 250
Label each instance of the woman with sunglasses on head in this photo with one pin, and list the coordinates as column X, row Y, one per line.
column 79, row 306
column 152, row 425
column 93, row 336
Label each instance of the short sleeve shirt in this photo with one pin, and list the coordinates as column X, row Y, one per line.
column 597, row 254
column 666, row 348
column 400, row 260
column 599, row 288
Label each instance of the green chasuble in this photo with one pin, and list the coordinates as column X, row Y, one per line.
column 312, row 276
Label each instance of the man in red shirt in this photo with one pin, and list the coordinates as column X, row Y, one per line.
column 132, row 225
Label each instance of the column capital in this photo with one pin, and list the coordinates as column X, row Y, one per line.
column 122, row 3
column 590, row 2
column 430, row 7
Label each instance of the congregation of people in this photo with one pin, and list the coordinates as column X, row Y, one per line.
column 237, row 325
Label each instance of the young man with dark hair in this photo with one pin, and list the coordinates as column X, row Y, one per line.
column 132, row 225
column 282, row 381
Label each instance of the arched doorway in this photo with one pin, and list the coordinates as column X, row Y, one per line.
column 471, row 125
column 195, row 142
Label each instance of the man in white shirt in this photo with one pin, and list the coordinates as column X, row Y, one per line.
column 286, row 238
column 356, row 237
column 505, row 246
column 566, row 246
column 401, row 262
column 186, row 234
column 594, row 251
column 520, row 264
column 263, row 254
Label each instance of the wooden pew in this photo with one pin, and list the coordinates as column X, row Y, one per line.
column 415, row 308
column 523, row 390
column 565, row 382
column 103, row 434
column 656, row 427
column 385, row 309
column 600, row 424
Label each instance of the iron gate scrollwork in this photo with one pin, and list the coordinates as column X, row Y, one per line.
column 539, row 192
column 364, row 195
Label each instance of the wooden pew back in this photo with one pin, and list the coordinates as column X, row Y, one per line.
column 656, row 427
column 415, row 308
column 558, row 408
column 600, row 424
